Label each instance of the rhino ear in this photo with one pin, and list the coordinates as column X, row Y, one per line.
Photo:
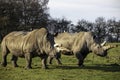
column 55, row 34
column 94, row 37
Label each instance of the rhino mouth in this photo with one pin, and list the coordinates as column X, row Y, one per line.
column 103, row 54
column 67, row 53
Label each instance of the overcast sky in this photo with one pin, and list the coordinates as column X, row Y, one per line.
column 75, row 10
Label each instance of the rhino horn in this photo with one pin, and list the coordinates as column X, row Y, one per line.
column 109, row 47
column 102, row 44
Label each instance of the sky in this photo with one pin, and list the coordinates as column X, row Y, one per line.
column 75, row 10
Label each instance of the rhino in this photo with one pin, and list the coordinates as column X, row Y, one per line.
column 80, row 45
column 38, row 42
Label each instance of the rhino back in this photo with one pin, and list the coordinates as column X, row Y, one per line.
column 14, row 41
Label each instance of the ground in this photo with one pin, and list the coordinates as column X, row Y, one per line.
column 96, row 68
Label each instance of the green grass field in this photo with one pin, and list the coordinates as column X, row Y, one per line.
column 96, row 68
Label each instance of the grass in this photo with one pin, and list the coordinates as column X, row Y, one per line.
column 96, row 68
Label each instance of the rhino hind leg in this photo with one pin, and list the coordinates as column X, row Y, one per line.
column 44, row 61
column 50, row 60
column 4, row 59
column 58, row 57
column 28, row 58
column 57, row 60
column 44, row 65
column 14, row 61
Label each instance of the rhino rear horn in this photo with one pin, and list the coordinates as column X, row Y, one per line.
column 102, row 44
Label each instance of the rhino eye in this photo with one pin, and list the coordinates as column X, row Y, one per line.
column 98, row 46
column 94, row 37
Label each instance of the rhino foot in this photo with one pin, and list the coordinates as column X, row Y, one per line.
column 4, row 64
column 45, row 67
column 81, row 65
column 16, row 66
column 28, row 67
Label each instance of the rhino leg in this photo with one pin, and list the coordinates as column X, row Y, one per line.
column 28, row 58
column 57, row 60
column 80, row 59
column 80, row 63
column 50, row 60
column 14, row 61
column 58, row 57
column 4, row 60
column 44, row 61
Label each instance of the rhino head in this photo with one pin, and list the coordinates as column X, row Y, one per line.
column 99, row 49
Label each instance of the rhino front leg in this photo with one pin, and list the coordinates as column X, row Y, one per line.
column 80, row 63
column 28, row 58
column 80, row 59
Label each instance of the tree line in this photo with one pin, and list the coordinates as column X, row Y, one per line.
column 103, row 29
column 26, row 15
column 22, row 15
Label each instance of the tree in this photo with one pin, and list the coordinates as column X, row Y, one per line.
column 114, row 29
column 8, row 17
column 118, row 31
column 22, row 15
column 59, row 25
column 34, row 13
column 63, row 25
column 83, row 25
column 100, row 28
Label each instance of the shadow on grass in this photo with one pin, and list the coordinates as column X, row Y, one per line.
column 104, row 67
